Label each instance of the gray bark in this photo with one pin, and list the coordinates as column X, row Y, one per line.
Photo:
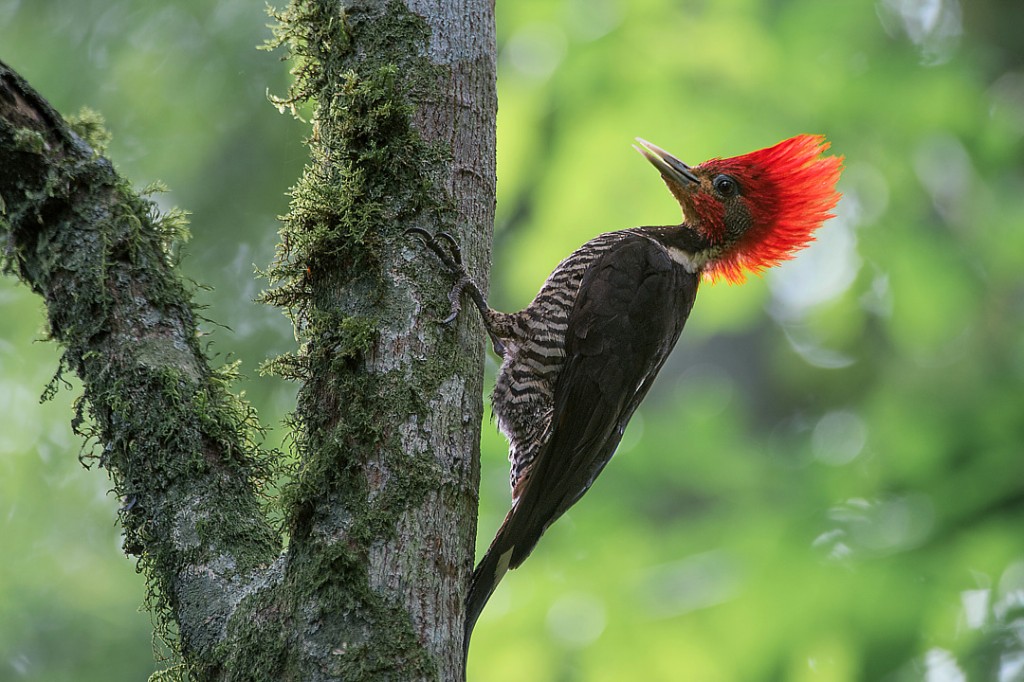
column 381, row 513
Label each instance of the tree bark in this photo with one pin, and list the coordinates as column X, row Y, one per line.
column 381, row 511
column 180, row 449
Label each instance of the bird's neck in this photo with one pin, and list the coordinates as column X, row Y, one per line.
column 684, row 245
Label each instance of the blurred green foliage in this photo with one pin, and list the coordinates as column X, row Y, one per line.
column 827, row 482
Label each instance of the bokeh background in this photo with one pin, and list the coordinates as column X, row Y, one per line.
column 827, row 481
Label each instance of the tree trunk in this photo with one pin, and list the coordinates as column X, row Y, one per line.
column 381, row 509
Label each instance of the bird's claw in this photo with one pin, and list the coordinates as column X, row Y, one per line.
column 452, row 257
column 446, row 248
column 455, row 297
column 453, row 246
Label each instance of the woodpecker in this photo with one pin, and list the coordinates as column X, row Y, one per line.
column 577, row 361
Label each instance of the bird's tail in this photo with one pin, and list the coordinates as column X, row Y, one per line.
column 514, row 541
column 488, row 574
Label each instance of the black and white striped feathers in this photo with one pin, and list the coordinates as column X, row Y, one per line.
column 576, row 364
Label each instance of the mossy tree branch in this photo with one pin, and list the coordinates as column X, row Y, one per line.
column 381, row 514
column 179, row 447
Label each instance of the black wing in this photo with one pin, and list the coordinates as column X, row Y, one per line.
column 631, row 307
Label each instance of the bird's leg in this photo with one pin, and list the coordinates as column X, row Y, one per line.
column 446, row 248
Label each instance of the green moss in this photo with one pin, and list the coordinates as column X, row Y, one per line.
column 183, row 452
column 369, row 168
column 319, row 586
column 257, row 647
column 172, row 226
column 163, row 425
column 90, row 125
column 151, row 448
column 29, row 141
column 178, row 672
column 370, row 176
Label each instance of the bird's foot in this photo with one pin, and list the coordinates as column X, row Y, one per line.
column 446, row 248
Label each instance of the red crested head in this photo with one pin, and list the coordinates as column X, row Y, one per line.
column 757, row 209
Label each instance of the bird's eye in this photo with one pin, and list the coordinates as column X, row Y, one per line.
column 725, row 185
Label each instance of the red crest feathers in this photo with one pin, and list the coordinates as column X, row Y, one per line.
column 790, row 190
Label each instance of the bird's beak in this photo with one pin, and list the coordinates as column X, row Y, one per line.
column 670, row 167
